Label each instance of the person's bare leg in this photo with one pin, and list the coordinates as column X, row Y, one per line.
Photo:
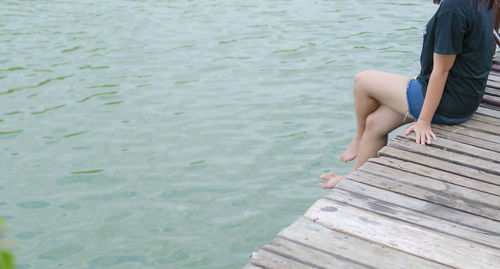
column 378, row 125
column 371, row 88
column 363, row 106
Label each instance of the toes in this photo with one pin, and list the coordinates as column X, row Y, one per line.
column 346, row 158
column 325, row 186
column 328, row 176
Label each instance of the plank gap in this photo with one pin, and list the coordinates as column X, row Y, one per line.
column 394, row 145
column 336, row 256
column 437, row 179
column 483, row 231
column 290, row 257
column 388, row 215
column 442, row 147
column 437, row 192
column 426, row 200
column 355, row 235
column 467, row 174
column 474, row 134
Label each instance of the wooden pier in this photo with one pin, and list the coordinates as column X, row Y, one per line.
column 413, row 206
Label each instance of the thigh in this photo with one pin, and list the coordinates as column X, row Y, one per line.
column 387, row 88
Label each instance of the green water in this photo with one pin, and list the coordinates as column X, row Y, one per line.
column 179, row 134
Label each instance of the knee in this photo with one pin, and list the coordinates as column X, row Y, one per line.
column 361, row 79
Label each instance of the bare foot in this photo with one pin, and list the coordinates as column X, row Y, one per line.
column 331, row 180
column 352, row 151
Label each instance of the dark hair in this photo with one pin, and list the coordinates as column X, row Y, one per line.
column 490, row 2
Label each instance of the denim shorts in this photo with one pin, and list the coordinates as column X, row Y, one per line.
column 415, row 99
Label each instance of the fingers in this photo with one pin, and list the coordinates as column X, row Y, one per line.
column 324, row 186
column 425, row 138
column 423, row 135
column 409, row 130
column 417, row 138
column 433, row 136
column 430, row 135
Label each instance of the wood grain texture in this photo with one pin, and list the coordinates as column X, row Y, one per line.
column 417, row 218
column 488, row 112
column 406, row 237
column 443, row 165
column 316, row 235
column 444, row 176
column 458, row 147
column 309, row 256
column 459, row 199
column 482, row 126
column 450, row 156
column 492, row 91
column 493, row 83
column 466, row 139
column 266, row 259
column 252, row 266
column 478, row 136
column 443, row 188
column 493, row 78
column 359, row 189
column 491, row 97
column 486, row 119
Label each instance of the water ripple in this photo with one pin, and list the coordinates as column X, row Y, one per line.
column 179, row 141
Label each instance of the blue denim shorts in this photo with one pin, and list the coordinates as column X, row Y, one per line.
column 415, row 99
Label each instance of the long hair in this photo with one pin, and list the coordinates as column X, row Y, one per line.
column 490, row 2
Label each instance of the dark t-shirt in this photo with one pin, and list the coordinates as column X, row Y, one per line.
column 464, row 28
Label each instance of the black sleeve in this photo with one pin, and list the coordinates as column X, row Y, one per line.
column 450, row 30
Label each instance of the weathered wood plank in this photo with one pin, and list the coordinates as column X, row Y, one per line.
column 492, row 97
column 486, row 119
column 460, row 148
column 445, row 165
column 309, row 256
column 455, row 194
column 435, row 196
column 457, row 158
column 493, row 84
column 481, row 126
column 492, row 91
column 418, row 241
column 488, row 112
column 493, row 81
column 251, row 266
column 494, row 73
column 493, row 77
column 453, row 135
column 268, row 259
column 478, row 135
column 409, row 216
column 357, row 189
column 489, row 106
column 374, row 255
column 444, row 176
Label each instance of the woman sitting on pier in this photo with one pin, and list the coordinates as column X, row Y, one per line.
column 455, row 62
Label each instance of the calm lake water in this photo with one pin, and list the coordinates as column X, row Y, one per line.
column 179, row 134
